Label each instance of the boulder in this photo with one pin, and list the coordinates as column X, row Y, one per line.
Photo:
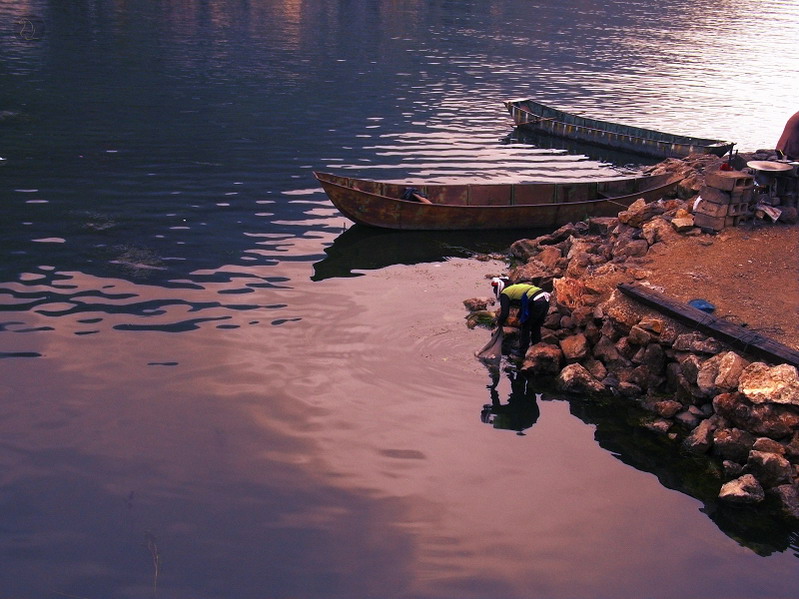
column 549, row 256
column 639, row 336
column 768, row 420
column 532, row 271
column 701, row 438
column 731, row 469
column 630, row 249
column 574, row 378
column 745, row 490
column 569, row 292
column 788, row 498
column 771, row 469
column 596, row 368
column 581, row 246
column 792, row 448
column 524, row 249
column 763, row 384
column 658, row 230
column 574, row 347
column 730, row 367
column 639, row 212
column 605, row 350
column 602, row 225
column 720, row 373
column 732, row 444
column 667, row 408
column 660, row 426
column 476, row 303
column 769, row 445
column 655, row 326
column 690, row 365
column 542, row 359
column 696, row 343
column 688, row 419
column 682, row 224
column 654, row 359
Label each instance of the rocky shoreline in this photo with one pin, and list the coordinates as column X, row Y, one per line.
column 731, row 408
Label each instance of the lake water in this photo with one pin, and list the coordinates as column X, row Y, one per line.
column 212, row 386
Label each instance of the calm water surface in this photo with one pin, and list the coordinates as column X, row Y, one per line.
column 211, row 386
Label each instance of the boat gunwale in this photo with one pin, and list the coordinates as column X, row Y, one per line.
column 677, row 139
column 668, row 180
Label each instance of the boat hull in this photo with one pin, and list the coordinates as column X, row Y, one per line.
column 487, row 206
column 539, row 118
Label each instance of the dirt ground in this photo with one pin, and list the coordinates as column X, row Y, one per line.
column 750, row 273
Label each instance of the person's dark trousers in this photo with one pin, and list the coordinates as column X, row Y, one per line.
column 531, row 328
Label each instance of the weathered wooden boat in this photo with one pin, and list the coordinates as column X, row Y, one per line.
column 537, row 117
column 487, row 205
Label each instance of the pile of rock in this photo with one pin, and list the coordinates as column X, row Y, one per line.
column 596, row 342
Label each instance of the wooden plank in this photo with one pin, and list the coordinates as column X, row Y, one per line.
column 737, row 337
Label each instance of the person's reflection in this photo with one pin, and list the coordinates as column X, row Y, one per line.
column 520, row 413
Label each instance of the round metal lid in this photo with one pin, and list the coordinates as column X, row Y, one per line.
column 768, row 165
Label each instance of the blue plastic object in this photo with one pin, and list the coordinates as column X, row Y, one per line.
column 703, row 305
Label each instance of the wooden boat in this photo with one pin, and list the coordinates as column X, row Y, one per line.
column 539, row 118
column 487, row 205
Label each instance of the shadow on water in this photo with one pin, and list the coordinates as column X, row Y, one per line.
column 369, row 248
column 618, row 431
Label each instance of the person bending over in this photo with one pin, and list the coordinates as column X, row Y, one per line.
column 533, row 305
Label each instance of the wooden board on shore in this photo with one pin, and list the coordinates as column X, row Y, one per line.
column 737, row 337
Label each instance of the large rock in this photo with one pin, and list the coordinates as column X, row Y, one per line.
column 696, row 343
column 732, row 444
column 720, row 373
column 542, row 359
column 690, row 365
column 654, row 358
column 574, row 378
column 602, row 225
column 549, row 256
column 532, row 271
column 763, row 384
column 574, row 347
column 771, row 469
column 634, row 248
column 639, row 336
column 745, row 490
column 639, row 212
column 569, row 293
column 659, row 230
column 524, row 249
column 701, row 438
column 788, row 498
column 767, row 420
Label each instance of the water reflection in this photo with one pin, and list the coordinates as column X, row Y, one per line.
column 520, row 411
column 360, row 248
column 169, row 367
column 624, row 160
column 618, row 431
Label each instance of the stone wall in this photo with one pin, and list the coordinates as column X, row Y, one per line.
column 596, row 342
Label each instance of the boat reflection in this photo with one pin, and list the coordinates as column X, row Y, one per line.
column 628, row 160
column 368, row 248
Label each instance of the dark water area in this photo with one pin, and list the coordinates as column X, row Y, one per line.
column 212, row 385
